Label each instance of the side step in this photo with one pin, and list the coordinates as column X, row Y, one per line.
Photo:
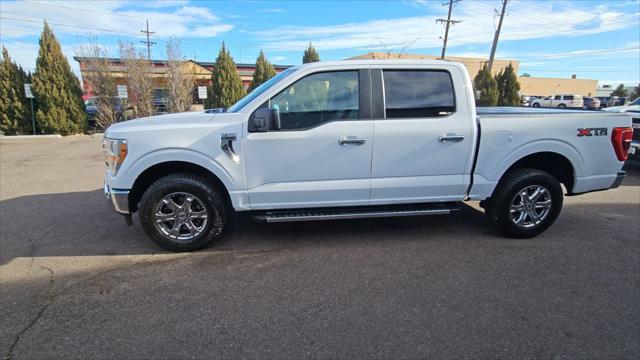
column 273, row 216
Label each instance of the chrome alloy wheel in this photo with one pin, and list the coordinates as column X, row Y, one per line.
column 181, row 216
column 530, row 206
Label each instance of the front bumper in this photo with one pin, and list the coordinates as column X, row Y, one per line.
column 119, row 199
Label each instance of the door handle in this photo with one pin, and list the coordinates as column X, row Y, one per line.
column 351, row 140
column 451, row 138
column 226, row 144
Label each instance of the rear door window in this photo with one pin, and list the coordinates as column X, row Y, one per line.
column 568, row 97
column 418, row 94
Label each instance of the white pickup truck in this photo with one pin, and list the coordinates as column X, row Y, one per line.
column 355, row 139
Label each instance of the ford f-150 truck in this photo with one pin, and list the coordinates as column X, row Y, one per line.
column 355, row 139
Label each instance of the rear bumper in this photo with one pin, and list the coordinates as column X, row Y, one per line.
column 620, row 176
column 634, row 150
column 119, row 199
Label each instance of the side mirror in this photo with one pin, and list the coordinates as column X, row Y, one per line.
column 264, row 120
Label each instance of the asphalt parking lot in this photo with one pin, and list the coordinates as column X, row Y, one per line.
column 77, row 283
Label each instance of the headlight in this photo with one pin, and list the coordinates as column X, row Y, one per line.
column 115, row 151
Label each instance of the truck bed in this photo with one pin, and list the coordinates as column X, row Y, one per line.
column 508, row 134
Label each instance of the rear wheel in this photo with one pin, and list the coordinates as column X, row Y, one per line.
column 182, row 212
column 525, row 203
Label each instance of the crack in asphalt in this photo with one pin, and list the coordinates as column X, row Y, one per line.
column 53, row 297
column 33, row 321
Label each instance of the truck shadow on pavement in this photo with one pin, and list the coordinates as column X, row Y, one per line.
column 82, row 224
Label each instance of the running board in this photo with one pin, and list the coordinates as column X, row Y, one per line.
column 274, row 216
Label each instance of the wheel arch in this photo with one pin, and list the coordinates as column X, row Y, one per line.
column 554, row 163
column 161, row 169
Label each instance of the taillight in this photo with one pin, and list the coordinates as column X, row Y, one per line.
column 621, row 140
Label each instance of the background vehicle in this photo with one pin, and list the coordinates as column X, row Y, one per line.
column 559, row 101
column 353, row 139
column 92, row 111
column 160, row 100
column 591, row 103
column 525, row 101
column 633, row 110
column 604, row 101
column 617, row 101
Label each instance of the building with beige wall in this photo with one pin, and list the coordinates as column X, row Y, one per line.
column 530, row 86
column 200, row 70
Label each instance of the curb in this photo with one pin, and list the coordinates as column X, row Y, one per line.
column 18, row 138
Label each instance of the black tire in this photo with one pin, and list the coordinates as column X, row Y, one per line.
column 209, row 199
column 498, row 208
column 536, row 105
column 562, row 106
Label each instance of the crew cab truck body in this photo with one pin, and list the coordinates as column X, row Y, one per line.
column 353, row 139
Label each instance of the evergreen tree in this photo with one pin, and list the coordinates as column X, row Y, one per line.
column 226, row 88
column 619, row 91
column 57, row 90
column 310, row 55
column 508, row 87
column 264, row 71
column 636, row 93
column 12, row 110
column 487, row 86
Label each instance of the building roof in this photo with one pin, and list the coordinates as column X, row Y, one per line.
column 201, row 63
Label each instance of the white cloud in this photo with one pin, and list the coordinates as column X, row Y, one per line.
column 22, row 19
column 210, row 31
column 162, row 3
column 524, row 21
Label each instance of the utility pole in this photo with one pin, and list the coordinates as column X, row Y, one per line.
column 446, row 25
column 497, row 35
column 148, row 43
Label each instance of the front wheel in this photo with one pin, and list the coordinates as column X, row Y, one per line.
column 525, row 203
column 182, row 212
column 536, row 105
column 562, row 106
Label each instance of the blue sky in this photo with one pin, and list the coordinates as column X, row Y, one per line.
column 593, row 39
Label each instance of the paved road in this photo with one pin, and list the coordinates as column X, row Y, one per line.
column 77, row 283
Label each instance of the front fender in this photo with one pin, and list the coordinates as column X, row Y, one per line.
column 128, row 174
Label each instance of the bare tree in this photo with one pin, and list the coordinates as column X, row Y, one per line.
column 98, row 76
column 139, row 74
column 180, row 80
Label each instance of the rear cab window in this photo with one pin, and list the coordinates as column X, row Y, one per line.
column 418, row 93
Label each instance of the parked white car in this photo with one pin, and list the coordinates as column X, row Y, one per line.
column 561, row 101
column 633, row 110
column 353, row 139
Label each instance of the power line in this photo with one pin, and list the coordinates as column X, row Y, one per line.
column 148, row 43
column 39, row 21
column 446, row 25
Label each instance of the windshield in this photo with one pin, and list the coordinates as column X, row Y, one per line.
column 636, row 102
column 260, row 89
